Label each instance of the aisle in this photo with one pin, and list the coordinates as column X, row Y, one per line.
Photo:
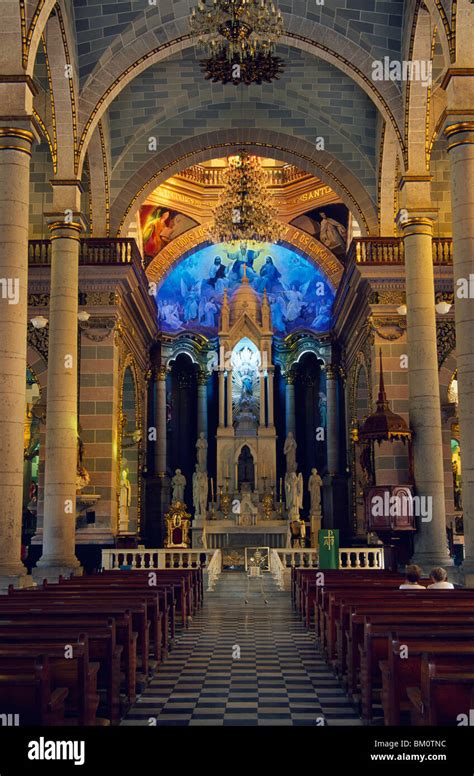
column 279, row 679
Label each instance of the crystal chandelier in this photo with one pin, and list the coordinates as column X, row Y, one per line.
column 238, row 37
column 244, row 212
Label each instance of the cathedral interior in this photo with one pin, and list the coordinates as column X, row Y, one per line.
column 236, row 306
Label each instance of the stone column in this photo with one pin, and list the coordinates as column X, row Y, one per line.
column 15, row 153
column 59, row 526
column 271, row 409
column 460, row 138
column 229, row 398
column 424, row 399
column 332, row 429
column 202, row 402
column 160, row 446
column 221, row 398
column 290, row 403
column 262, row 397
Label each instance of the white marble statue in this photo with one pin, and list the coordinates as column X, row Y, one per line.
column 291, row 490
column 178, row 483
column 201, row 450
column 299, row 492
column 290, row 451
column 314, row 486
column 200, row 490
column 124, row 501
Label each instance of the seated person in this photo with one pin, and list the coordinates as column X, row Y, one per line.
column 440, row 580
column 412, row 579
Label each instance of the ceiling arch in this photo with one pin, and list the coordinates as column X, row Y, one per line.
column 208, row 145
column 120, row 64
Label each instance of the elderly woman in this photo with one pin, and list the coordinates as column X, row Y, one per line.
column 440, row 580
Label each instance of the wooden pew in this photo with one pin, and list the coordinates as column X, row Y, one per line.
column 103, row 649
column 26, row 689
column 75, row 672
column 12, row 609
column 399, row 673
column 446, row 689
column 403, row 611
column 108, row 607
column 377, row 662
column 159, row 599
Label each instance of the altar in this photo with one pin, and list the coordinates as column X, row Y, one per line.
column 222, row 534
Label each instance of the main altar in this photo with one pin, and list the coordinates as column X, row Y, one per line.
column 245, row 505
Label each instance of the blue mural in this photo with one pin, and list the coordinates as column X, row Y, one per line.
column 299, row 293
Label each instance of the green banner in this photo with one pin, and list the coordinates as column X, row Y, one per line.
column 328, row 540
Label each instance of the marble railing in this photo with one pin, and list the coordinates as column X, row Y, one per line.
column 361, row 558
column 214, row 176
column 157, row 559
column 349, row 557
column 93, row 251
column 390, row 250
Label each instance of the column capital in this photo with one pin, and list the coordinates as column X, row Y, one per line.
column 202, row 376
column 331, row 371
column 290, row 377
column 459, row 133
column 416, row 221
column 161, row 373
column 16, row 139
column 60, row 228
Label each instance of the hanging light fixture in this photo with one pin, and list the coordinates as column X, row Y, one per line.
column 244, row 212
column 238, row 38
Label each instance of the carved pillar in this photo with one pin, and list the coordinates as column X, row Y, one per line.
column 290, row 402
column 271, row 409
column 160, row 446
column 221, row 398
column 262, row 397
column 332, row 429
column 15, row 153
column 229, row 399
column 59, row 527
column 425, row 411
column 460, row 136
column 202, row 402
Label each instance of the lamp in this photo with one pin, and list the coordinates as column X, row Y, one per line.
column 39, row 322
column 83, row 316
column 443, row 307
column 402, row 310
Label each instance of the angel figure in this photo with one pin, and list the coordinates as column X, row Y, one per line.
column 190, row 294
column 295, row 300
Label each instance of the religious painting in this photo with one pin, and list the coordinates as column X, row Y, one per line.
column 299, row 293
column 160, row 226
column 328, row 224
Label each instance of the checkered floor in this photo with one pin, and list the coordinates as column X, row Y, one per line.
column 244, row 664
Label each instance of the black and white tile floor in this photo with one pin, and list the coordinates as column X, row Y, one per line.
column 279, row 679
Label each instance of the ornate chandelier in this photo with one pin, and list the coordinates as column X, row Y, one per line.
column 244, row 212
column 239, row 38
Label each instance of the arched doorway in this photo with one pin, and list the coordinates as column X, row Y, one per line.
column 245, row 468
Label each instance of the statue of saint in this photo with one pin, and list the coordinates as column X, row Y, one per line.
column 290, row 451
column 201, row 450
column 125, row 500
column 299, row 492
column 178, row 483
column 291, row 491
column 314, row 486
column 200, row 490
